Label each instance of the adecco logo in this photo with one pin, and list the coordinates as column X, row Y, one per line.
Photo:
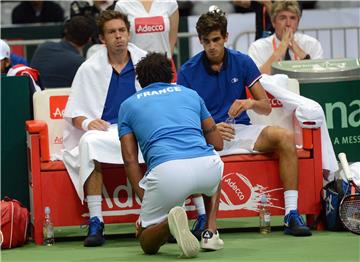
column 152, row 24
column 235, row 189
column 273, row 101
column 57, row 106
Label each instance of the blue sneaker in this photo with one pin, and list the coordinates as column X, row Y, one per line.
column 294, row 225
column 95, row 235
column 199, row 226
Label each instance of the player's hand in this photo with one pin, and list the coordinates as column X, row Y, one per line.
column 138, row 227
column 239, row 106
column 98, row 124
column 227, row 132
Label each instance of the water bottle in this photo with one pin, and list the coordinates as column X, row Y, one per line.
column 231, row 121
column 265, row 217
column 48, row 229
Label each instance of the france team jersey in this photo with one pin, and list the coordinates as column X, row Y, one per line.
column 166, row 120
column 220, row 89
column 121, row 87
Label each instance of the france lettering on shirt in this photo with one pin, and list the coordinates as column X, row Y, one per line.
column 159, row 92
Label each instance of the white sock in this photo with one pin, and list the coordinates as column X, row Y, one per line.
column 199, row 203
column 290, row 198
column 94, row 206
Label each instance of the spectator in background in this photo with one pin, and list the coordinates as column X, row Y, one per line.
column 84, row 8
column 185, row 8
column 16, row 59
column 285, row 43
column 9, row 59
column 153, row 24
column 262, row 11
column 4, row 56
column 37, row 12
column 93, row 10
column 58, row 62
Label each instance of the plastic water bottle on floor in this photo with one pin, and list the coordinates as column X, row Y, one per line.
column 265, row 216
column 48, row 229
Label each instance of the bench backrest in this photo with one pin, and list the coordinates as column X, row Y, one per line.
column 49, row 106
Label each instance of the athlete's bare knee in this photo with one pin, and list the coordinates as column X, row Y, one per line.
column 287, row 142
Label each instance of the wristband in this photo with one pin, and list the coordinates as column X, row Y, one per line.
column 307, row 57
column 85, row 124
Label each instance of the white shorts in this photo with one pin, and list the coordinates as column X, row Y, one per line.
column 244, row 141
column 170, row 183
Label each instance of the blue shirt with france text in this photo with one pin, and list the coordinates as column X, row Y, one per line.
column 166, row 120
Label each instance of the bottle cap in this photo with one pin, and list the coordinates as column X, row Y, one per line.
column 263, row 199
column 47, row 210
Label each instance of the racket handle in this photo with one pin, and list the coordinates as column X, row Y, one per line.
column 345, row 165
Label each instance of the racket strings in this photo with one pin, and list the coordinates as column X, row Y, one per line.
column 350, row 213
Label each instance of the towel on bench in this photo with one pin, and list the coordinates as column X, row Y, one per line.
column 306, row 110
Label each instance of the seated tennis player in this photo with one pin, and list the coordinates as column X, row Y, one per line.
column 220, row 75
column 100, row 85
column 178, row 138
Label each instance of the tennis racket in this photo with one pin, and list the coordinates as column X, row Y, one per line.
column 349, row 209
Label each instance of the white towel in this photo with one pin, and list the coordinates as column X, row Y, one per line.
column 306, row 110
column 102, row 146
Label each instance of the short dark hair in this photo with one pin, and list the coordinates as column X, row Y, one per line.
column 212, row 21
column 79, row 29
column 108, row 15
column 154, row 67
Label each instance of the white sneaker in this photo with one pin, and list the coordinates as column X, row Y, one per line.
column 211, row 241
column 179, row 228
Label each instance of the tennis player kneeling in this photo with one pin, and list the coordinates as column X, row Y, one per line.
column 178, row 138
